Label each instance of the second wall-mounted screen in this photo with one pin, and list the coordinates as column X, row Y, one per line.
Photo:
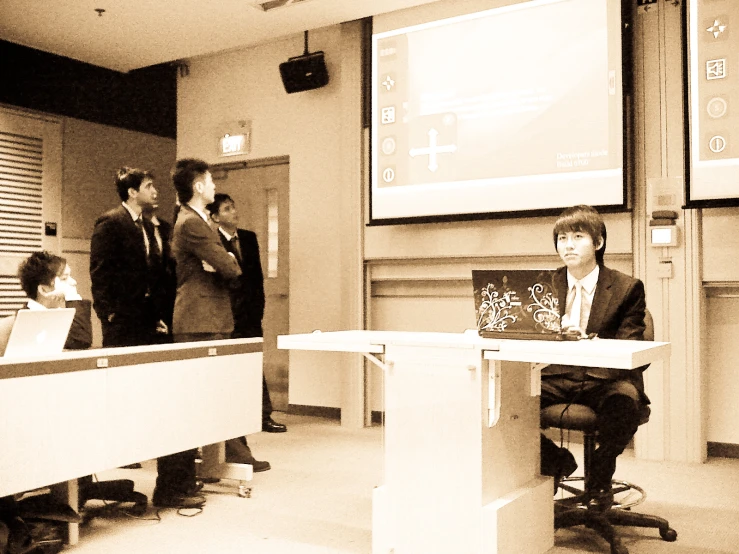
column 713, row 68
column 511, row 109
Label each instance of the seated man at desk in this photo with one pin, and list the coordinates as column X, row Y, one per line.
column 38, row 276
column 606, row 302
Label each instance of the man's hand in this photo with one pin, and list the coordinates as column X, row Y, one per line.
column 162, row 327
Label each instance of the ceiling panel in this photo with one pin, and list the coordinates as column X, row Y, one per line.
column 138, row 33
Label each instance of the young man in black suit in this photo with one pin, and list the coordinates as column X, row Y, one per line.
column 594, row 299
column 122, row 275
column 247, row 299
column 126, row 274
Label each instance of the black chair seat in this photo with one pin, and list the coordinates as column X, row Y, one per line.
column 577, row 417
column 569, row 416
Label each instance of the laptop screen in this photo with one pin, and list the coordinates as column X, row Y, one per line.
column 39, row 332
column 519, row 303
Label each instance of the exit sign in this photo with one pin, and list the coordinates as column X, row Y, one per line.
column 233, row 145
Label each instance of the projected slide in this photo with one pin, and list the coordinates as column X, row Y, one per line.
column 714, row 102
column 516, row 108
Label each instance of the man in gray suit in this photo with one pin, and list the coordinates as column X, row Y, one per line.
column 205, row 272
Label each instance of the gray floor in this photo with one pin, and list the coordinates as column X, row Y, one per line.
column 317, row 498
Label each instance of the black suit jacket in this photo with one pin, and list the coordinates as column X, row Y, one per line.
column 247, row 298
column 617, row 312
column 118, row 268
column 163, row 282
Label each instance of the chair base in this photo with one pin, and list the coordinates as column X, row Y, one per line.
column 625, row 495
column 603, row 523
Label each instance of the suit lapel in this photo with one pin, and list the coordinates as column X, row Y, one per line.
column 601, row 300
column 135, row 233
column 560, row 285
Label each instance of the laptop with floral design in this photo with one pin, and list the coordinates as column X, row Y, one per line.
column 517, row 304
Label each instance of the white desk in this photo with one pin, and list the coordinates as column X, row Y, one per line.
column 87, row 411
column 462, row 435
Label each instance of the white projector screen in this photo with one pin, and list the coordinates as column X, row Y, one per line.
column 714, row 89
column 517, row 108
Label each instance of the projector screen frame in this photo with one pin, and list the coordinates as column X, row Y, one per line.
column 627, row 113
column 729, row 202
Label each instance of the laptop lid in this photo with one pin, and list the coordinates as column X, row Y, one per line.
column 39, row 332
column 516, row 304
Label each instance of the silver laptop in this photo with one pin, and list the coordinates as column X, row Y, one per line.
column 517, row 304
column 39, row 332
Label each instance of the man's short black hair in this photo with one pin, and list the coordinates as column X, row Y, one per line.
column 130, row 178
column 585, row 219
column 40, row 268
column 218, row 200
column 184, row 175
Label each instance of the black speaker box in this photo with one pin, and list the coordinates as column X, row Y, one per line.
column 305, row 72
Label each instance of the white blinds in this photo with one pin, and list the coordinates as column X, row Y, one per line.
column 21, row 223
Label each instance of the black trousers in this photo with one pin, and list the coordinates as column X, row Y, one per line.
column 131, row 330
column 617, row 404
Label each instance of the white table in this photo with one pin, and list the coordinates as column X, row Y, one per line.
column 87, row 411
column 462, row 435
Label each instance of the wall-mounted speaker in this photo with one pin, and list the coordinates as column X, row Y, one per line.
column 306, row 72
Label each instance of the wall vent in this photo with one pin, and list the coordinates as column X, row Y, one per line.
column 21, row 209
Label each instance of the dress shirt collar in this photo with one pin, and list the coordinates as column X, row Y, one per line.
column 33, row 305
column 131, row 211
column 225, row 234
column 154, row 221
column 201, row 214
column 588, row 282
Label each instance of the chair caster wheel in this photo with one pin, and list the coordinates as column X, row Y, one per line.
column 669, row 535
column 244, row 491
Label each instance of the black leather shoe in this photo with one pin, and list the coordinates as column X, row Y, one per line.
column 271, row 426
column 196, row 488
column 258, row 467
column 170, row 500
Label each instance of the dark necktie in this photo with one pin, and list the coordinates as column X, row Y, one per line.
column 140, row 225
column 236, row 247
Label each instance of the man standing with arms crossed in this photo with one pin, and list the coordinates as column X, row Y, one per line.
column 205, row 273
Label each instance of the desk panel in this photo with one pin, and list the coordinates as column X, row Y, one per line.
column 62, row 418
column 51, row 428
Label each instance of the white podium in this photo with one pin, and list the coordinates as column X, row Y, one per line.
column 462, row 435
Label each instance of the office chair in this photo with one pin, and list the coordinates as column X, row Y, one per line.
column 574, row 510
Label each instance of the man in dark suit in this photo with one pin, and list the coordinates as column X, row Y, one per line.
column 612, row 304
column 125, row 270
column 120, row 270
column 247, row 299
